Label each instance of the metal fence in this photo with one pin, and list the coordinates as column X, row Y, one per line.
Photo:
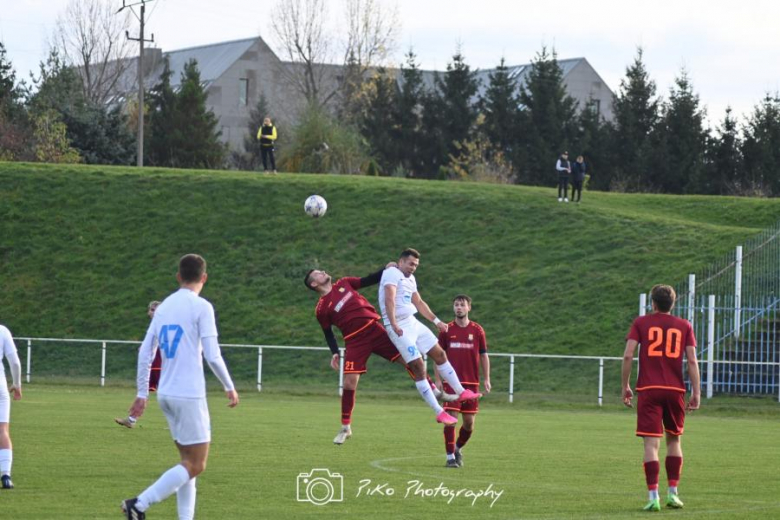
column 733, row 306
column 513, row 359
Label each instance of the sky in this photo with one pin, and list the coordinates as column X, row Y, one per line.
column 730, row 50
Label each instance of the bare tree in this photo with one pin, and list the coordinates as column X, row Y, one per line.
column 91, row 37
column 307, row 47
column 299, row 28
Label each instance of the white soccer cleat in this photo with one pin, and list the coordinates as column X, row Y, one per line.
column 344, row 434
column 127, row 422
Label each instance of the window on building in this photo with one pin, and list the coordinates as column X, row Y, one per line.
column 596, row 106
column 243, row 91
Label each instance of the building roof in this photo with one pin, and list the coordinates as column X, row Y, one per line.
column 213, row 60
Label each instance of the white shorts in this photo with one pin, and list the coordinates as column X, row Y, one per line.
column 416, row 338
column 188, row 419
column 5, row 402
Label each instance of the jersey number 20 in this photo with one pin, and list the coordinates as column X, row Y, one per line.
column 168, row 345
column 671, row 345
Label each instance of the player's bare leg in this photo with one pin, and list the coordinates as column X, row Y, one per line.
column 347, row 405
column 447, row 373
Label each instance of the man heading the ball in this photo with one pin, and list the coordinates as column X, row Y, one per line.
column 341, row 304
column 400, row 300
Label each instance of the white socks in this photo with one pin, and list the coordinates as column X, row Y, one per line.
column 185, row 500
column 653, row 494
column 427, row 394
column 672, row 490
column 448, row 373
column 6, row 458
column 165, row 486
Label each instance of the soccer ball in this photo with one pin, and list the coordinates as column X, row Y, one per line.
column 315, row 206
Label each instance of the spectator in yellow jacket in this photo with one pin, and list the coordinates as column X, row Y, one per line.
column 267, row 136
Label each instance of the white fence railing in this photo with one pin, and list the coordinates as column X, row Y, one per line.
column 512, row 361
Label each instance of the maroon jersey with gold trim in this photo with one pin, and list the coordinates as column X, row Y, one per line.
column 345, row 308
column 662, row 339
column 463, row 346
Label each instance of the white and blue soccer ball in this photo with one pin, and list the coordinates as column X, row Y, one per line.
column 315, row 206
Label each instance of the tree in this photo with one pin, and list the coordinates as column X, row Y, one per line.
column 724, row 164
column 761, row 148
column 305, row 44
column 99, row 134
column 196, row 130
column 449, row 114
column 160, row 141
column 592, row 142
column 408, row 117
column 183, row 132
column 636, row 114
column 51, row 141
column 91, row 37
column 320, row 144
column 250, row 158
column 14, row 128
column 681, row 167
column 501, row 106
column 378, row 124
column 372, row 29
column 548, row 119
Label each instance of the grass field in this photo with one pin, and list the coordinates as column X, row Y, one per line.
column 554, row 461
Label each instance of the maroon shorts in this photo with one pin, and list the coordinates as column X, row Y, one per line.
column 464, row 406
column 154, row 375
column 658, row 411
column 371, row 340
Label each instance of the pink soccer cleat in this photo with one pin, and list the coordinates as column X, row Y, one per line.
column 446, row 418
column 468, row 395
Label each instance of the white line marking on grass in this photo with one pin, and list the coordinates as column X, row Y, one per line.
column 449, row 473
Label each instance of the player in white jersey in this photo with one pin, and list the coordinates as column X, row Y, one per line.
column 7, row 350
column 399, row 301
column 185, row 331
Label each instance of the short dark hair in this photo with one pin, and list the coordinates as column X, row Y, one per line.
column 306, row 280
column 406, row 253
column 663, row 296
column 462, row 297
column 191, row 268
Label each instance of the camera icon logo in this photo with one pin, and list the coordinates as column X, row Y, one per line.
column 320, row 486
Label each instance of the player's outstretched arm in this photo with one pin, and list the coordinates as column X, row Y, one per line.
column 390, row 291
column 426, row 311
column 628, row 361
column 695, row 377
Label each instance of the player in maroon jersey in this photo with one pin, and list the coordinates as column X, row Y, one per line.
column 661, row 389
column 341, row 304
column 154, row 375
column 466, row 347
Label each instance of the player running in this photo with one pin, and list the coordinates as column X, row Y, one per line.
column 154, row 376
column 341, row 304
column 7, row 350
column 466, row 347
column 399, row 301
column 661, row 389
column 185, row 329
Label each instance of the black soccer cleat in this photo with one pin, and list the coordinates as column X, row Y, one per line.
column 7, row 483
column 452, row 463
column 128, row 508
column 459, row 457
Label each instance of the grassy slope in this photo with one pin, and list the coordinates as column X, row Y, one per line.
column 85, row 248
